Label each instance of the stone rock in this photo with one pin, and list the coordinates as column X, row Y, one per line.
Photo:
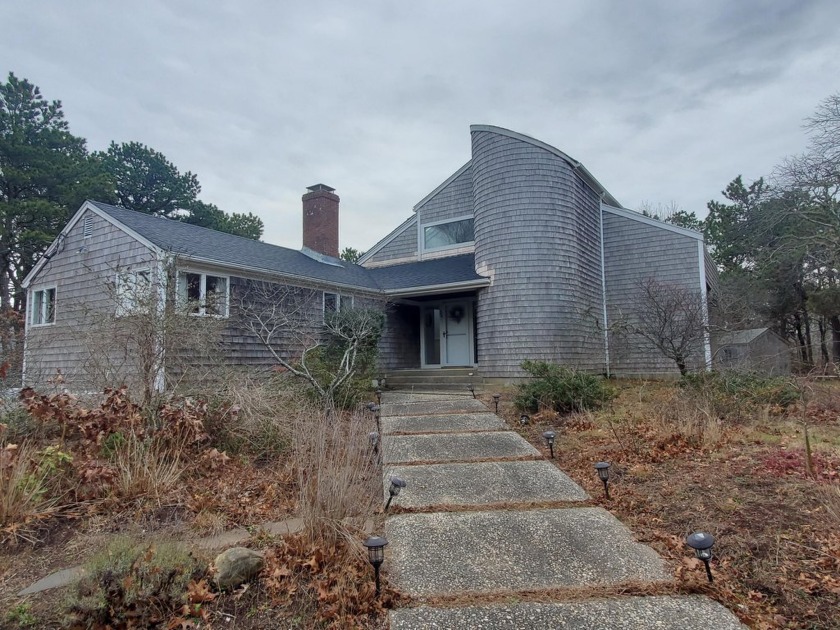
column 236, row 566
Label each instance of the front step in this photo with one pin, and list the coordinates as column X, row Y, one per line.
column 448, row 379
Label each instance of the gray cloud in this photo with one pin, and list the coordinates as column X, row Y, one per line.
column 661, row 100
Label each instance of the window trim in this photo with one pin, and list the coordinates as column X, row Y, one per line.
column 421, row 234
column 202, row 291
column 31, row 305
column 340, row 298
column 120, row 310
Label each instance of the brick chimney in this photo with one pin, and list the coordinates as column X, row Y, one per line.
column 320, row 220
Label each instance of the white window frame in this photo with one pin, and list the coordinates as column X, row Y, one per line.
column 340, row 300
column 421, row 235
column 202, row 306
column 43, row 313
column 126, row 303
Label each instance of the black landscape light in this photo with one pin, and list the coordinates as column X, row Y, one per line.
column 702, row 545
column 549, row 438
column 471, row 387
column 603, row 469
column 496, row 398
column 397, row 484
column 376, row 555
column 524, row 419
column 378, row 392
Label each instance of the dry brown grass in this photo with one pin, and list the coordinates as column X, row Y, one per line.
column 25, row 495
column 338, row 476
column 147, row 469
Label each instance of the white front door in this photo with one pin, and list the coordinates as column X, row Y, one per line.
column 456, row 336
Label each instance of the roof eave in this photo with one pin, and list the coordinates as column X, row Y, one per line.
column 448, row 287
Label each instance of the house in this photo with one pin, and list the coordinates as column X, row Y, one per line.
column 521, row 253
column 756, row 349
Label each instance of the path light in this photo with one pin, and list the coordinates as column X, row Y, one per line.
column 471, row 387
column 378, row 392
column 603, row 469
column 496, row 398
column 524, row 419
column 397, row 484
column 702, row 545
column 376, row 555
column 549, row 438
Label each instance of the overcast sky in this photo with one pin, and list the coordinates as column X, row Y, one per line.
column 662, row 101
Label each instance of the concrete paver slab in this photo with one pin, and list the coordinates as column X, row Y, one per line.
column 445, row 422
column 693, row 612
column 479, row 552
column 465, row 405
column 59, row 579
column 483, row 483
column 450, row 447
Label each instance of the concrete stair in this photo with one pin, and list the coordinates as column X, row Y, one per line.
column 434, row 379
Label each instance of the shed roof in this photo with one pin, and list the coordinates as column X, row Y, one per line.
column 737, row 337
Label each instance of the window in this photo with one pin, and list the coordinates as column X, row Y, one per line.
column 134, row 292
column 335, row 302
column 203, row 293
column 42, row 311
column 448, row 234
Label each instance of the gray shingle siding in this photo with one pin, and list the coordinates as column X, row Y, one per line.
column 453, row 201
column 537, row 233
column 633, row 252
column 403, row 246
column 84, row 274
column 399, row 348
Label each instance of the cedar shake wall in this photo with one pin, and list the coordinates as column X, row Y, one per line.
column 85, row 290
column 399, row 348
column 633, row 252
column 537, row 234
column 453, row 201
column 403, row 246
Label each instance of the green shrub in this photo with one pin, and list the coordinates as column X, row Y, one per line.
column 131, row 585
column 21, row 616
column 560, row 388
column 732, row 390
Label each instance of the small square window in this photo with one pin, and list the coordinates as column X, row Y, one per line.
column 203, row 294
column 134, row 292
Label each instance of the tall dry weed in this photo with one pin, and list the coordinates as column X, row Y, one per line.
column 829, row 496
column 24, row 491
column 338, row 477
column 147, row 468
column 690, row 417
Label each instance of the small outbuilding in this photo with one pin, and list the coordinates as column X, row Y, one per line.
column 756, row 349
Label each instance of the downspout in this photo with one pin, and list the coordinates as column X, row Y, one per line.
column 604, row 288
column 707, row 342
column 160, row 342
column 25, row 336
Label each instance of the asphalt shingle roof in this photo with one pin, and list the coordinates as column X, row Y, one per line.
column 732, row 337
column 427, row 272
column 236, row 251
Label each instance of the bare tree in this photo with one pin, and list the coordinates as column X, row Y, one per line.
column 673, row 318
column 291, row 325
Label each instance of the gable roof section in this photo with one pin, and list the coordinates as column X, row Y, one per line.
column 204, row 245
column 637, row 216
column 579, row 168
column 738, row 337
column 453, row 272
column 402, row 227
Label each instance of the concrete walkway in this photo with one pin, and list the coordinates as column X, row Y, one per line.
column 465, row 472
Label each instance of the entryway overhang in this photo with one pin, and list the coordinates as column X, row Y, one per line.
column 438, row 289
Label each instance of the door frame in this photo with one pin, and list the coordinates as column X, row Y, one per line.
column 469, row 305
